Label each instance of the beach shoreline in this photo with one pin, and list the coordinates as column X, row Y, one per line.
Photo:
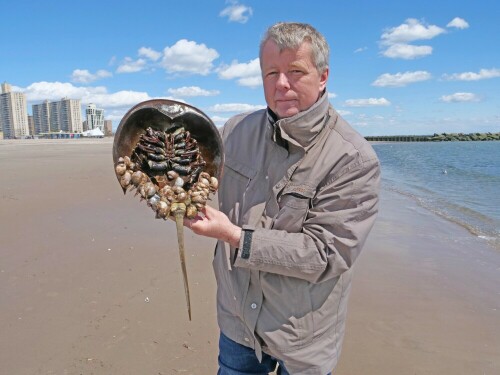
column 425, row 297
column 90, row 282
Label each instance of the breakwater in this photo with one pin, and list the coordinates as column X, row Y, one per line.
column 443, row 137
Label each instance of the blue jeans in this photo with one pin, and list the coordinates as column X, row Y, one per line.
column 237, row 359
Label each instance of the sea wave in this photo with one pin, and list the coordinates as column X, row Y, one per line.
column 448, row 211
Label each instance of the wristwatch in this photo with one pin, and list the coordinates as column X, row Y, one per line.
column 247, row 243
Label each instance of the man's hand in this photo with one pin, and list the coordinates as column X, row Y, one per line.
column 215, row 224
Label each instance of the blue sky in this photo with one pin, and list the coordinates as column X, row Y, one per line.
column 396, row 67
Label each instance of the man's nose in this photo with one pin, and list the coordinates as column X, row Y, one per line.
column 282, row 82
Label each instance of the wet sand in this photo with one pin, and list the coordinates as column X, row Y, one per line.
column 90, row 282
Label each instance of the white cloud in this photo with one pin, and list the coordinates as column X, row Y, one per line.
column 371, row 102
column 53, row 91
column 407, row 51
column 459, row 23
column 246, row 74
column 471, row 76
column 332, row 95
column 235, row 107
column 250, row 81
column 361, row 49
column 189, row 57
column 190, row 91
column 219, row 120
column 115, row 114
column 401, row 79
column 410, row 31
column 117, row 99
column 363, row 120
column 84, row 76
column 396, row 39
column 238, row 70
column 131, row 66
column 237, row 12
column 150, row 53
column 343, row 112
column 460, row 97
column 183, row 57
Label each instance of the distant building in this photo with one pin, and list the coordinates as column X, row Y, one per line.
column 54, row 117
column 64, row 115
column 13, row 113
column 41, row 117
column 95, row 117
column 31, row 125
column 85, row 126
column 108, row 128
column 71, row 115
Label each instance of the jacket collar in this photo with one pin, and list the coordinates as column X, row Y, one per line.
column 301, row 130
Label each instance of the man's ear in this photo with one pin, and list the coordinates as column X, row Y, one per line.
column 323, row 79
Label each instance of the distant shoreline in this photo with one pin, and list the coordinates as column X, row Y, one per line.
column 443, row 137
column 44, row 141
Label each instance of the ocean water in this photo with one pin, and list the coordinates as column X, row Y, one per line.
column 459, row 181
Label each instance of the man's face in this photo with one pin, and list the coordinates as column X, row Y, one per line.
column 291, row 82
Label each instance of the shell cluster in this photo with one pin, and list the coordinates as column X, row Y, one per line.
column 166, row 170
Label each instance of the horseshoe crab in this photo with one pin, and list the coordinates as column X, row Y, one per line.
column 171, row 153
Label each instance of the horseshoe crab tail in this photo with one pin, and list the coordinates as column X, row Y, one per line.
column 179, row 216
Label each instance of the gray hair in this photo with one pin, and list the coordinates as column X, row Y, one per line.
column 292, row 35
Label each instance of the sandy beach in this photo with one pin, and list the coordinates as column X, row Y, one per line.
column 90, row 282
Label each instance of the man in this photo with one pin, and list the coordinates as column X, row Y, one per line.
column 298, row 198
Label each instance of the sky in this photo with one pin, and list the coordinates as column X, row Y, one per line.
column 396, row 67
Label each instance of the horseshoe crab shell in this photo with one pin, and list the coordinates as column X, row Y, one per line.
column 163, row 114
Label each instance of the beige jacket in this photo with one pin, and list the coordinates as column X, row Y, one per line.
column 307, row 200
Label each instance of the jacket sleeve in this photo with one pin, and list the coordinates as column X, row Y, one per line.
column 335, row 228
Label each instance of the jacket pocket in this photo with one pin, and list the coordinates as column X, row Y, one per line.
column 294, row 203
column 239, row 170
column 286, row 319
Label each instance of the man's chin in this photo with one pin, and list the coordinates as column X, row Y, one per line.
column 286, row 112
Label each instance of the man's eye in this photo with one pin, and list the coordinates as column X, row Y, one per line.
column 271, row 74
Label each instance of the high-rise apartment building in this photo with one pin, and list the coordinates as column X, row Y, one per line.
column 54, row 117
column 41, row 117
column 71, row 115
column 95, row 117
column 13, row 113
column 64, row 115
